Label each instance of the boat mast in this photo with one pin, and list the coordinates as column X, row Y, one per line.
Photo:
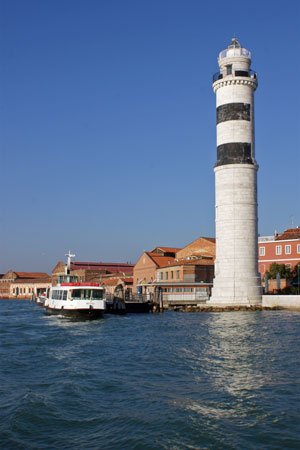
column 69, row 256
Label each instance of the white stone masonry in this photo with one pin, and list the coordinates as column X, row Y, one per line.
column 237, row 281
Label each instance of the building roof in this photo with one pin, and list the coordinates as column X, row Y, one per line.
column 116, row 281
column 128, row 280
column 110, row 282
column 32, row 280
column 209, row 239
column 200, row 246
column 110, row 267
column 161, row 261
column 191, row 262
column 31, row 275
column 166, row 249
column 290, row 233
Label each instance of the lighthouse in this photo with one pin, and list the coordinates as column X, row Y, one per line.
column 237, row 281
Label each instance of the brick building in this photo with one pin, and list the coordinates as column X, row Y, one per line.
column 144, row 272
column 202, row 246
column 118, row 286
column 281, row 248
column 22, row 284
column 92, row 271
column 189, row 278
column 182, row 271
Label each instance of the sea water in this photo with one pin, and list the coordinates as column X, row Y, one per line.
column 149, row 381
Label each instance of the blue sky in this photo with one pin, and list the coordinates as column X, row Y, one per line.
column 107, row 123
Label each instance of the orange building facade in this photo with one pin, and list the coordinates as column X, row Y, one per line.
column 281, row 248
column 175, row 272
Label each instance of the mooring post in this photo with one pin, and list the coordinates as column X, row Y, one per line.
column 161, row 302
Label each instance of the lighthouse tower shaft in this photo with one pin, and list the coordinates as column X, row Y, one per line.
column 237, row 281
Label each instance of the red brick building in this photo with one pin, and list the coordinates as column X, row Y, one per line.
column 145, row 269
column 93, row 271
column 281, row 248
column 177, row 272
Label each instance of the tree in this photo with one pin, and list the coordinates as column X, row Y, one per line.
column 284, row 272
column 296, row 269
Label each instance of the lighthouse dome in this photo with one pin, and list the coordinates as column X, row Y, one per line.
column 234, row 49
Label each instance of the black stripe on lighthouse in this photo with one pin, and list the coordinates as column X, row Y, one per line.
column 234, row 153
column 233, row 111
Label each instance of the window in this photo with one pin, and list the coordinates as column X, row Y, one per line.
column 287, row 249
column 229, row 69
column 97, row 294
column 278, row 249
column 177, row 274
column 262, row 251
column 298, row 248
column 172, row 274
column 161, row 276
column 167, row 275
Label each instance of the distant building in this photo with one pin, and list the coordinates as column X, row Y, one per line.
column 203, row 246
column 144, row 272
column 189, row 279
column 23, row 284
column 93, row 271
column 187, row 271
column 119, row 287
column 281, row 248
column 29, row 288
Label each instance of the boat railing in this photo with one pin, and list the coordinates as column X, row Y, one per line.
column 136, row 298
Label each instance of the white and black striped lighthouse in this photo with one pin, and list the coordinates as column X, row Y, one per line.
column 237, row 281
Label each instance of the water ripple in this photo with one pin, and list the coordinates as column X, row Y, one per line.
column 170, row 381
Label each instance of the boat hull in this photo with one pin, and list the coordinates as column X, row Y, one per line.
column 76, row 313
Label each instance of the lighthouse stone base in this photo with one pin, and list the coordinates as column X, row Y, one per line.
column 237, row 281
column 230, row 293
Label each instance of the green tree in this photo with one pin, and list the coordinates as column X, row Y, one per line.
column 295, row 271
column 284, row 272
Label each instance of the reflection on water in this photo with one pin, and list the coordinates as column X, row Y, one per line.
column 232, row 349
column 239, row 363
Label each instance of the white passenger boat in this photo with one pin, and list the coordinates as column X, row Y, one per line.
column 41, row 299
column 76, row 299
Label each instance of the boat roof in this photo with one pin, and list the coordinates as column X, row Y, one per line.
column 78, row 285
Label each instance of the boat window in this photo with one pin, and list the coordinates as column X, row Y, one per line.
column 76, row 293
column 87, row 294
column 65, row 293
column 97, row 294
